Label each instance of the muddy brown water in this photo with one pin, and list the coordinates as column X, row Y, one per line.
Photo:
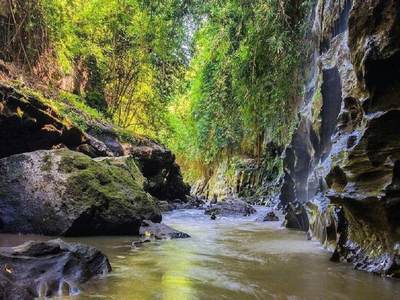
column 231, row 258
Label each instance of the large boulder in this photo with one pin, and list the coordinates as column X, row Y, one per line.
column 61, row 192
column 104, row 135
column 48, row 269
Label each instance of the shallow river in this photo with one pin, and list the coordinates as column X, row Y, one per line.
column 227, row 259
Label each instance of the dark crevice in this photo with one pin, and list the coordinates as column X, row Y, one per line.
column 336, row 178
column 339, row 26
column 342, row 23
column 332, row 101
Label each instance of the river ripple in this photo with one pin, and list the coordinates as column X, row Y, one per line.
column 230, row 258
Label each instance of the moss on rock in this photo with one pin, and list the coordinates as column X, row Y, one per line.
column 74, row 194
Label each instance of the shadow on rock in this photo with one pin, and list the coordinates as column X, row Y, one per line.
column 48, row 269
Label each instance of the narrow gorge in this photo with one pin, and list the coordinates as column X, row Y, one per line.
column 200, row 150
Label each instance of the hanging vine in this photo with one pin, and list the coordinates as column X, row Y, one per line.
column 23, row 32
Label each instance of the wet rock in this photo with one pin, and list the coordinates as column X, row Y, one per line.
column 158, row 231
column 94, row 148
column 157, row 163
column 141, row 241
column 191, row 202
column 342, row 167
column 233, row 207
column 197, row 203
column 48, row 269
column 165, row 206
column 269, row 217
column 61, row 192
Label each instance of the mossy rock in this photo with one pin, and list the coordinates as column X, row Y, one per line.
column 61, row 192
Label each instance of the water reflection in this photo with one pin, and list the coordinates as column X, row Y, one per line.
column 227, row 259
column 176, row 266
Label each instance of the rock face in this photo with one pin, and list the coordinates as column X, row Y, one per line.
column 107, row 136
column 243, row 178
column 157, row 163
column 342, row 169
column 48, row 269
column 192, row 202
column 29, row 123
column 61, row 192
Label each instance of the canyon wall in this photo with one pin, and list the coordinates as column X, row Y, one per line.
column 342, row 168
column 244, row 177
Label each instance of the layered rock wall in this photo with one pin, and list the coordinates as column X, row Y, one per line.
column 342, row 169
column 241, row 177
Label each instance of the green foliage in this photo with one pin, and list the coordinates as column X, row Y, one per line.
column 23, row 35
column 126, row 56
column 208, row 78
column 243, row 82
column 95, row 99
column 95, row 95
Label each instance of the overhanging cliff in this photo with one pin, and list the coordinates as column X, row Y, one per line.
column 342, row 167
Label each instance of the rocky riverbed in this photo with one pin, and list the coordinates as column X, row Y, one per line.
column 338, row 180
column 48, row 269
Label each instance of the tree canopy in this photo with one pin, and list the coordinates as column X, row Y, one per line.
column 241, row 87
column 208, row 78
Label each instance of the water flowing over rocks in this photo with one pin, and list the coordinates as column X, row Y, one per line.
column 160, row 231
column 58, row 179
column 269, row 217
column 341, row 178
column 231, row 207
column 61, row 192
column 48, row 269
